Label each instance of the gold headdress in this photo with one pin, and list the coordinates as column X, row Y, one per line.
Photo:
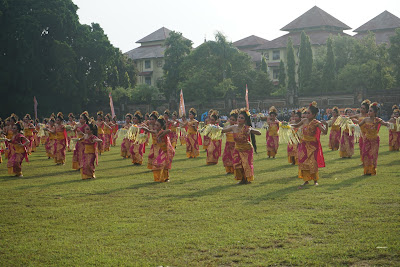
column 167, row 112
column 314, row 104
column 60, row 115
column 336, row 109
column 233, row 112
column 243, row 110
column 85, row 113
column 161, row 117
column 273, row 110
column 154, row 114
column 193, row 111
column 100, row 113
column 129, row 115
column 395, row 107
column 138, row 113
column 366, row 101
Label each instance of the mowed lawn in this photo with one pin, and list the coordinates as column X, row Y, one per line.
column 201, row 218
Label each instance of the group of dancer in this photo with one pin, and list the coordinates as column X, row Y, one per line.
column 89, row 137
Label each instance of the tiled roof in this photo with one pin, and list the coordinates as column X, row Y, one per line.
column 315, row 18
column 251, row 40
column 380, row 36
column 156, row 51
column 255, row 56
column 158, row 35
column 316, row 38
column 385, row 20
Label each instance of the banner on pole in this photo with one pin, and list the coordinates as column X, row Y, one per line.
column 35, row 104
column 112, row 106
column 247, row 98
column 182, row 110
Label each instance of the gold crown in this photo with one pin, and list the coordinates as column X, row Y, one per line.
column 314, row 104
column 235, row 111
column 243, row 110
column 273, row 109
column 366, row 101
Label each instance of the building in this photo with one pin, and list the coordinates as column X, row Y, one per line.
column 248, row 44
column 316, row 23
column 383, row 26
column 149, row 56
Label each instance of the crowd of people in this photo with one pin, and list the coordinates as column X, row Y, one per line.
column 88, row 137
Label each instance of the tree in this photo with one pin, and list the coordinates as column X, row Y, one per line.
column 45, row 52
column 262, row 85
column 282, row 74
column 207, row 66
column 394, row 52
column 291, row 71
column 305, row 63
column 263, row 66
column 329, row 73
column 177, row 49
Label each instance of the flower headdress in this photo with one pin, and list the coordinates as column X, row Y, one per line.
column 273, row 110
column 243, row 110
column 129, row 115
column 85, row 113
column 336, row 109
column 60, row 115
column 100, row 113
column 314, row 104
column 366, row 102
column 71, row 115
column 193, row 111
column 161, row 117
column 167, row 112
column 233, row 112
column 395, row 107
column 138, row 114
column 154, row 114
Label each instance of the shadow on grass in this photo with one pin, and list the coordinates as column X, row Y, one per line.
column 205, row 192
column 50, row 184
column 348, row 182
column 135, row 186
column 345, row 170
column 281, row 193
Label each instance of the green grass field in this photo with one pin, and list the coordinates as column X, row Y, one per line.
column 201, row 218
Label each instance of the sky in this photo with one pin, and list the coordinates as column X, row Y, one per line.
column 127, row 21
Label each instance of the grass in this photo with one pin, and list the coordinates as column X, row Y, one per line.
column 201, row 218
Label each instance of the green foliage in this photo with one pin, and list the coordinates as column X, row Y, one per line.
column 394, row 52
column 45, row 52
column 291, row 68
column 282, row 74
column 329, row 71
column 206, row 67
column 305, row 64
column 263, row 66
column 144, row 93
column 262, row 85
column 177, row 49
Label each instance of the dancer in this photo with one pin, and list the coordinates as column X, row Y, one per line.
column 357, row 119
column 28, row 132
column 214, row 147
column 151, row 126
column 90, row 156
column 51, row 139
column 394, row 133
column 173, row 127
column 346, row 149
column 192, row 139
column 371, row 126
column 61, row 140
column 77, row 158
column 243, row 154
column 108, row 130
column 272, row 136
column 163, row 151
column 335, row 134
column 206, row 139
column 115, row 130
column 71, row 134
column 310, row 154
column 292, row 148
column 136, row 150
column 227, row 157
column 183, row 133
column 18, row 145
column 126, row 143
column 100, row 130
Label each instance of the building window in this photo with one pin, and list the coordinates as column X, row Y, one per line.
column 159, row 63
column 276, row 55
column 147, row 64
column 147, row 80
column 275, row 74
